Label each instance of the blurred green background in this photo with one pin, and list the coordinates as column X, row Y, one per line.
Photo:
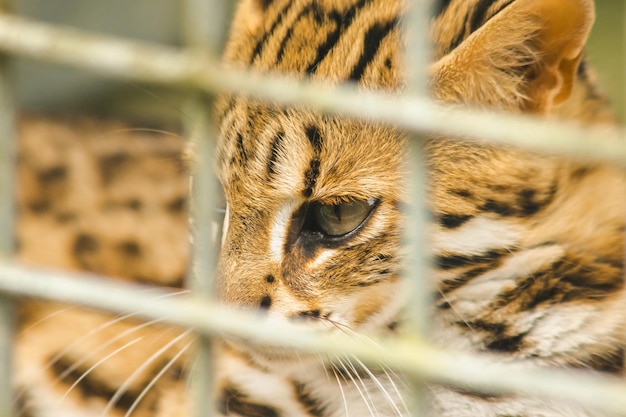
column 607, row 49
column 47, row 88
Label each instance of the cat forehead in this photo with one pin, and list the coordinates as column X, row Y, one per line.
column 299, row 152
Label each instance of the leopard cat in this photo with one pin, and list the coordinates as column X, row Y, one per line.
column 527, row 249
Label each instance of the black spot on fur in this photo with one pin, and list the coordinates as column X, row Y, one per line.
column 270, row 279
column 134, row 204
column 50, row 175
column 527, row 202
column 462, row 193
column 580, row 173
column 234, row 403
column 110, row 165
column 499, row 208
column 130, row 248
column 85, row 243
column 452, row 221
column 65, row 216
column 266, row 302
column 39, row 206
column 177, row 205
column 507, row 344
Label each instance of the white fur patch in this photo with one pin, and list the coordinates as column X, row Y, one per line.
column 477, row 236
column 322, row 258
column 278, row 231
column 225, row 224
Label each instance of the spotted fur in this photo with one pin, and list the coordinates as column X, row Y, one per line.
column 527, row 248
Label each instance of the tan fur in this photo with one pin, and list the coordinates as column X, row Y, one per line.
column 527, row 248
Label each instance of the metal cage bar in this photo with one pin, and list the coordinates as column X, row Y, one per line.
column 7, row 223
column 416, row 266
column 204, row 31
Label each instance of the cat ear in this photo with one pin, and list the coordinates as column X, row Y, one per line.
column 524, row 57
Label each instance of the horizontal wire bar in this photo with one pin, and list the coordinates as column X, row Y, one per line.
column 159, row 64
column 410, row 355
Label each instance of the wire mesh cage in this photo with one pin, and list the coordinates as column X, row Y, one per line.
column 195, row 68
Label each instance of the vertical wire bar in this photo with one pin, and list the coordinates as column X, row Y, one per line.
column 204, row 28
column 7, row 221
column 417, row 57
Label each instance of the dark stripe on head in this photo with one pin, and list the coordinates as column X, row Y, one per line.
column 304, row 12
column 310, row 176
column 313, row 171
column 234, row 403
column 342, row 21
column 459, row 36
column 440, row 7
column 273, row 157
column 315, row 138
column 371, row 43
column 258, row 48
column 479, row 14
column 241, row 150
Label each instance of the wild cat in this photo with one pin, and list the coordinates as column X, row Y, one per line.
column 527, row 248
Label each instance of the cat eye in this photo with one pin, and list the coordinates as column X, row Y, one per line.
column 340, row 219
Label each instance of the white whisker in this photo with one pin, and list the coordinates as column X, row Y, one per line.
column 124, row 387
column 343, row 394
column 88, row 371
column 382, row 388
column 103, row 326
column 393, row 378
column 356, row 385
column 103, row 346
column 153, row 381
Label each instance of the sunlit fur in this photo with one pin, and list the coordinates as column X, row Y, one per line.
column 527, row 248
